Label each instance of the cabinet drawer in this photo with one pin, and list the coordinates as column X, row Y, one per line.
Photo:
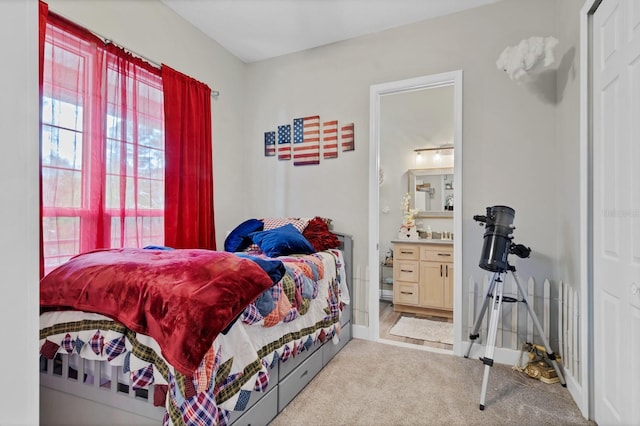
column 405, row 293
column 406, row 251
column 437, row 254
column 405, row 270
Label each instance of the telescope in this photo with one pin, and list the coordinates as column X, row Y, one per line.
column 498, row 239
column 498, row 245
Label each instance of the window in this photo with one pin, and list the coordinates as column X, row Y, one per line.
column 103, row 155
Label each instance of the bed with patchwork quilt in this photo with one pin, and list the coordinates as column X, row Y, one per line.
column 189, row 336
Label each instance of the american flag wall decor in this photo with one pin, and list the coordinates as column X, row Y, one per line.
column 284, row 142
column 330, row 139
column 269, row 144
column 347, row 137
column 306, row 140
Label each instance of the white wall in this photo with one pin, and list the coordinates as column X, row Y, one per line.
column 152, row 30
column 568, row 190
column 510, row 151
column 568, row 140
column 19, row 213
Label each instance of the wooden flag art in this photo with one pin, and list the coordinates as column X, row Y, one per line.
column 284, row 142
column 330, row 139
column 347, row 137
column 269, row 144
column 306, row 140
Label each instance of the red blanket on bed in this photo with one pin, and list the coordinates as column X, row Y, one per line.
column 181, row 298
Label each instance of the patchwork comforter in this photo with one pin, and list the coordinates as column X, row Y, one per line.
column 181, row 298
column 298, row 311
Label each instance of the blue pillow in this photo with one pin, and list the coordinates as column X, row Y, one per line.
column 282, row 241
column 274, row 268
column 239, row 238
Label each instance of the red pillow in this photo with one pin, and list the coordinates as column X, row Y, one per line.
column 318, row 234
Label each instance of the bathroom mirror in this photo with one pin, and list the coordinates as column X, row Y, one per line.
column 431, row 192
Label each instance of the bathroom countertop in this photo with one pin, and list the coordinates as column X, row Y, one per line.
column 425, row 241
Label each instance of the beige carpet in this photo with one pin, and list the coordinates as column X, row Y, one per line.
column 424, row 329
column 369, row 383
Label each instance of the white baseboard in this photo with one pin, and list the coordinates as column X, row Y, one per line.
column 361, row 332
column 577, row 392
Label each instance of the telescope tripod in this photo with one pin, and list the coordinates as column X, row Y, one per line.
column 495, row 292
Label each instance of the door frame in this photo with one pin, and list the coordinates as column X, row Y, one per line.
column 584, row 393
column 453, row 78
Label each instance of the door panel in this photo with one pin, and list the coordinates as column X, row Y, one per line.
column 635, row 366
column 616, row 210
column 611, row 380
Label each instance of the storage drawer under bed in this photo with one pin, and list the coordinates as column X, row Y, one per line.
column 345, row 317
column 256, row 398
column 262, row 412
column 329, row 349
column 298, row 379
column 286, row 367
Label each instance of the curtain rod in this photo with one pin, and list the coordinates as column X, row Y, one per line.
column 107, row 40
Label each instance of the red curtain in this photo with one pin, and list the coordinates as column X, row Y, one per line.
column 189, row 219
column 102, row 146
column 42, row 32
column 134, row 152
column 104, row 154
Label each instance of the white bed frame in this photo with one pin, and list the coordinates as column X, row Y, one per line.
column 286, row 380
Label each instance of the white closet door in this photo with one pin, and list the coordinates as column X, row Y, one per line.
column 616, row 211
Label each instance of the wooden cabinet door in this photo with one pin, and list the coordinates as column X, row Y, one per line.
column 431, row 284
column 448, row 285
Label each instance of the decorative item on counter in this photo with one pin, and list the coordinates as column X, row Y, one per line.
column 388, row 258
column 448, row 205
column 408, row 233
column 429, row 233
column 408, row 230
column 409, row 214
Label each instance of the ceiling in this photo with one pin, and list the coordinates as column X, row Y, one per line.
column 254, row 30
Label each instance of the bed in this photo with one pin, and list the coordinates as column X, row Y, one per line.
column 166, row 366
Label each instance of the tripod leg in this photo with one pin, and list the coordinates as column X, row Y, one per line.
column 476, row 326
column 547, row 347
column 491, row 340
